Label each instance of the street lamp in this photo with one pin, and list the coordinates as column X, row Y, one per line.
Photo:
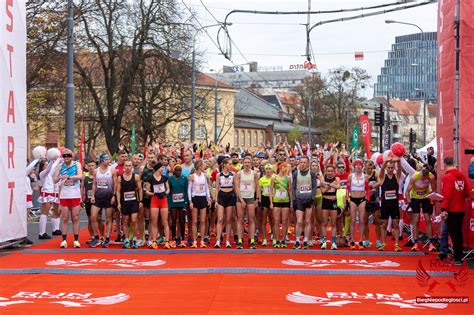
column 216, row 101
column 418, row 65
column 193, row 79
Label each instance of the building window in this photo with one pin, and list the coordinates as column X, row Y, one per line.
column 255, row 138
column 249, row 134
column 242, row 138
column 219, row 105
column 201, row 132
column 262, row 137
column 236, row 137
column 183, row 132
column 185, row 103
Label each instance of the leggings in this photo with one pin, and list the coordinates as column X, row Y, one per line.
column 177, row 214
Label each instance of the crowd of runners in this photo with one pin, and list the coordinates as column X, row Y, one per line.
column 214, row 196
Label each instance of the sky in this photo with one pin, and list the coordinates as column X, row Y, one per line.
column 276, row 40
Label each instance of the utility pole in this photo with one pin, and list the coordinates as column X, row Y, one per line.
column 70, row 79
column 388, row 135
column 379, row 121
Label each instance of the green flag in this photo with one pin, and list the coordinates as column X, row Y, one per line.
column 355, row 140
column 134, row 144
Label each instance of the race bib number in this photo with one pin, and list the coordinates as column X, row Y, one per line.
column 228, row 181
column 178, row 197
column 129, row 196
column 305, row 189
column 201, row 188
column 281, row 193
column 266, row 190
column 343, row 184
column 245, row 187
column 390, row 195
column 89, row 194
column 69, row 183
column 420, row 193
column 102, row 184
column 160, row 188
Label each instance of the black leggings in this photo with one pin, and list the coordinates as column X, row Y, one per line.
column 454, row 221
column 177, row 214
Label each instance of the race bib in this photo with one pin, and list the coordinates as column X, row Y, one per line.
column 343, row 184
column 89, row 194
column 305, row 189
column 420, row 193
column 69, row 183
column 160, row 188
column 390, row 195
column 129, row 196
column 245, row 186
column 102, row 184
column 201, row 188
column 178, row 197
column 266, row 190
column 228, row 181
column 281, row 193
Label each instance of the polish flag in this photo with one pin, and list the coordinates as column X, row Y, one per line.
column 359, row 55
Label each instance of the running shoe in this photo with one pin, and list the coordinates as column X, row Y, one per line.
column 334, row 246
column 190, row 241
column 101, row 241
column 44, row 237
column 167, row 245
column 89, row 241
column 381, row 247
column 195, row 244
column 77, row 244
column 353, row 247
column 106, row 243
column 149, row 243
column 415, row 248
column 276, row 244
column 255, row 238
column 161, row 240
column 227, row 244
column 297, row 245
column 134, row 244
column 264, row 242
column 173, row 244
column 154, row 245
column 324, row 245
column 432, row 247
column 240, row 245
column 398, row 248
column 409, row 244
column 366, row 244
column 283, row 244
column 63, row 244
column 203, row 244
column 118, row 239
column 217, row 245
column 360, row 246
column 305, row 245
column 57, row 232
column 236, row 239
column 206, row 240
column 182, row 244
column 378, row 244
column 311, row 243
column 252, row 245
column 126, row 243
column 94, row 243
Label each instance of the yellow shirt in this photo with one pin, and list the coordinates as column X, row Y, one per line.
column 421, row 187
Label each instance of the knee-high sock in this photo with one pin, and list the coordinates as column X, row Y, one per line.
column 42, row 224
column 55, row 223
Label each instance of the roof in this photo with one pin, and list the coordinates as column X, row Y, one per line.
column 248, row 104
column 283, row 127
column 203, row 79
column 272, row 99
column 287, row 98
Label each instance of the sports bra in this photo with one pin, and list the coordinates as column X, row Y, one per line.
column 226, row 181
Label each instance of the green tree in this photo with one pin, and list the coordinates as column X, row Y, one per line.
column 294, row 135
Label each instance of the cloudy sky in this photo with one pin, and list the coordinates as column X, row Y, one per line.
column 280, row 40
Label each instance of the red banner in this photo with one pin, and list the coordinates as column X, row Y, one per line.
column 366, row 130
column 446, row 91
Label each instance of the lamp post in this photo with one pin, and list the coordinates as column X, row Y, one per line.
column 424, row 72
column 70, row 78
column 193, row 79
column 216, row 103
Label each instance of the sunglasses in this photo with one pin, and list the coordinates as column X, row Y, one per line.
column 67, row 155
column 341, row 167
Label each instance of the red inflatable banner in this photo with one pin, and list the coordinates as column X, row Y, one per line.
column 366, row 130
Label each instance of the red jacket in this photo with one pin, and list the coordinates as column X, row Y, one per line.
column 455, row 191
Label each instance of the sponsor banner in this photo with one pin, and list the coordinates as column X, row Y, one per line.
column 366, row 130
column 320, row 263
column 12, row 119
column 124, row 263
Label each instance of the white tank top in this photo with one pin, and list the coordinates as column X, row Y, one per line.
column 247, row 185
column 358, row 184
column 199, row 185
column 70, row 189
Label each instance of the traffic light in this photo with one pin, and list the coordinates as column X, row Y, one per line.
column 379, row 118
column 412, row 135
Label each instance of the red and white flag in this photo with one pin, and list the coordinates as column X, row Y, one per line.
column 359, row 55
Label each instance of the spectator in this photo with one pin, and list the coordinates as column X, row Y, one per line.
column 455, row 190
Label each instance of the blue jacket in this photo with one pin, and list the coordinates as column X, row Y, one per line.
column 471, row 170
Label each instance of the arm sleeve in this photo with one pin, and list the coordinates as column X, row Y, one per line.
column 471, row 170
column 45, row 172
column 208, row 193
column 31, row 166
column 447, row 192
column 190, row 186
column 407, row 167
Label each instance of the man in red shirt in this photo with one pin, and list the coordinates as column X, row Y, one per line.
column 455, row 191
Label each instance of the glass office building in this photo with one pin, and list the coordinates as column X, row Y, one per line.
column 411, row 68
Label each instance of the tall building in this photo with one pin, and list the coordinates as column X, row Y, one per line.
column 411, row 69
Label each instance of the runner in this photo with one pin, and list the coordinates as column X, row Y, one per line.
column 103, row 197
column 158, row 188
column 344, row 218
column 87, row 183
column 330, row 210
column 129, row 200
column 389, row 178
column 318, row 199
column 246, row 182
column 280, row 203
column 304, row 190
column 178, row 203
column 226, row 200
column 373, row 206
column 212, row 172
column 30, row 176
column 356, row 190
column 417, row 190
column 144, row 213
column 122, row 156
column 236, row 166
column 46, row 171
column 69, row 176
column 199, row 200
column 264, row 193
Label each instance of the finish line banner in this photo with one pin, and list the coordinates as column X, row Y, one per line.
column 12, row 119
